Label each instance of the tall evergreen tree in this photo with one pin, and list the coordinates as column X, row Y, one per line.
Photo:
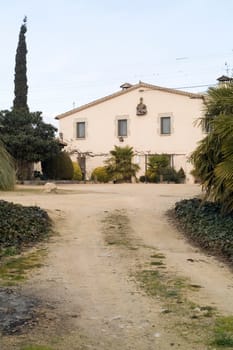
column 24, row 134
column 21, row 88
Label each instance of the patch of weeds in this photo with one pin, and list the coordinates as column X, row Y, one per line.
column 36, row 347
column 194, row 286
column 158, row 256
column 9, row 251
column 14, row 270
column 157, row 263
column 154, row 284
column 150, row 281
column 223, row 332
column 192, row 322
column 208, row 311
column 117, row 229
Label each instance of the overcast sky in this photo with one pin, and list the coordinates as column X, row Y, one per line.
column 80, row 50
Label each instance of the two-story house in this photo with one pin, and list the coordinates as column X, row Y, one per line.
column 151, row 119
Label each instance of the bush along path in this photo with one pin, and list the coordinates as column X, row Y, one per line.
column 205, row 224
column 20, row 226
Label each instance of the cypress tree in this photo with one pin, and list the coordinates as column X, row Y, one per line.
column 21, row 88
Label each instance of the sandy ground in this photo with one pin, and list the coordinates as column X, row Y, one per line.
column 93, row 283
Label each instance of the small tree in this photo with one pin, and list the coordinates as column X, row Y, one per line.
column 58, row 167
column 156, row 165
column 213, row 158
column 181, row 175
column 28, row 139
column 119, row 166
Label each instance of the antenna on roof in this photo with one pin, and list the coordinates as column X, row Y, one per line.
column 73, row 105
column 227, row 68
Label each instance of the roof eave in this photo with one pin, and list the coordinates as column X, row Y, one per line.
column 122, row 92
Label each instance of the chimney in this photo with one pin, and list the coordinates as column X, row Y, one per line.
column 126, row 86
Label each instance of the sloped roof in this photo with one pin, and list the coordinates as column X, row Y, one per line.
column 224, row 78
column 126, row 91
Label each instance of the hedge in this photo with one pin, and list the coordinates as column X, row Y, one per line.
column 21, row 225
column 204, row 223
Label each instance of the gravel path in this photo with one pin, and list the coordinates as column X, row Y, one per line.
column 106, row 234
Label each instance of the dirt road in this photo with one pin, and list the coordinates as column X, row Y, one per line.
column 111, row 240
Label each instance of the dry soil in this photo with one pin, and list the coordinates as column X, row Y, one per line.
column 105, row 237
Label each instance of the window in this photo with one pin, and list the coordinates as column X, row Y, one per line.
column 165, row 125
column 81, row 130
column 122, row 127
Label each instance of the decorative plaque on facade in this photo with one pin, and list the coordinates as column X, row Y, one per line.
column 141, row 108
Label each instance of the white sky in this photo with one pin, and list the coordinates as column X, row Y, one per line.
column 80, row 50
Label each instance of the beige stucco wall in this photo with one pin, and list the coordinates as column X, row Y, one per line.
column 143, row 131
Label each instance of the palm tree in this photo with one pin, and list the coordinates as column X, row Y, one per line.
column 213, row 158
column 7, row 171
column 119, row 166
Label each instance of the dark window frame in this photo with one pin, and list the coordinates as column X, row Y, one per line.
column 162, row 131
column 120, row 132
column 79, row 133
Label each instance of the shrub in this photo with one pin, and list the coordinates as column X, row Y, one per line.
column 77, row 175
column 59, row 167
column 100, row 174
column 181, row 174
column 20, row 225
column 142, row 178
column 120, row 166
column 169, row 174
column 205, row 225
column 152, row 177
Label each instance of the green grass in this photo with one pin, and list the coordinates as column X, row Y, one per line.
column 193, row 322
column 158, row 256
column 156, row 285
column 157, row 263
column 15, row 270
column 223, row 332
column 117, row 229
column 8, row 251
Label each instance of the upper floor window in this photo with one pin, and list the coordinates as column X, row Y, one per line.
column 122, row 127
column 81, row 130
column 165, row 125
